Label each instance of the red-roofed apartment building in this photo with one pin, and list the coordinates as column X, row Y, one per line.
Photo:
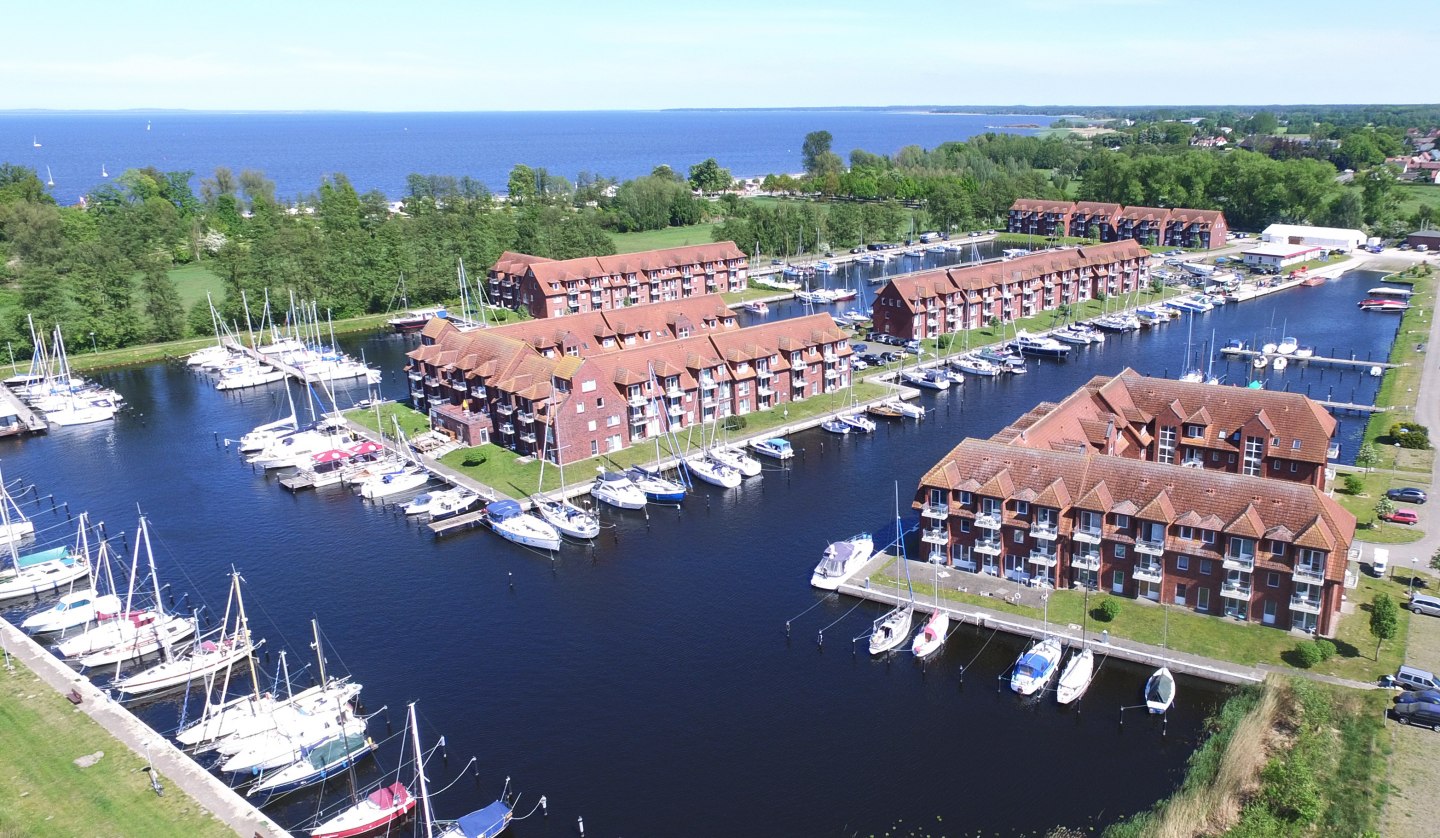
column 601, row 381
column 1152, row 226
column 1096, row 492
column 935, row 302
column 554, row 288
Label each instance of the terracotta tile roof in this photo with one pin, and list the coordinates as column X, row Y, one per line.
column 1041, row 205
column 589, row 328
column 1145, row 214
column 516, row 263
column 1096, row 208
column 1152, row 491
column 927, row 285
column 548, row 272
column 1190, row 216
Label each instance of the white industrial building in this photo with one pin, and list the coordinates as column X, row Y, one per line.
column 1332, row 238
column 1281, row 255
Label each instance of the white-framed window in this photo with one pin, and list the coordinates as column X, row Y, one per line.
column 579, row 407
column 1119, row 551
column 587, row 386
column 594, row 445
column 590, row 426
column 1182, row 562
column 1022, row 508
column 1207, row 536
column 1205, row 566
column 1272, row 580
column 1187, row 534
column 1019, row 537
column 1122, row 522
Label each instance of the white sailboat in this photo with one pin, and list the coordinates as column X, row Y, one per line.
column 1036, row 666
column 559, row 512
column 1160, row 691
column 137, row 632
column 512, row 523
column 1075, row 676
column 204, row 657
column 44, row 571
column 408, row 476
column 103, row 173
column 15, row 526
column 893, row 628
column 383, row 806
column 79, row 608
column 616, row 489
column 49, row 178
column 255, row 713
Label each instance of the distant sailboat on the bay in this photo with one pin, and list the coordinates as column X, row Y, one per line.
column 147, row 125
column 35, row 141
column 103, row 173
column 49, row 178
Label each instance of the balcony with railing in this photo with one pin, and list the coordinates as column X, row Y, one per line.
column 415, row 375
column 1087, row 535
column 1236, row 590
column 432, row 381
column 1240, row 561
column 935, row 535
column 528, row 437
column 458, row 384
column 762, row 372
column 1044, row 530
column 798, row 380
column 674, row 392
column 1333, row 451
column 1088, row 560
column 676, row 410
column 988, row 520
column 1310, row 573
column 1042, row 558
column 1150, row 547
column 504, row 408
column 764, row 390
column 1305, row 604
column 938, row 511
column 989, row 546
column 526, row 416
column 507, row 428
column 1149, row 573
column 637, row 400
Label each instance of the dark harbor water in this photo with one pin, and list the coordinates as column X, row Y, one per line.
column 378, row 150
column 647, row 684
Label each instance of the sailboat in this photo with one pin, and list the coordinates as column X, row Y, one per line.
column 256, row 713
column 35, row 141
column 16, row 526
column 1075, row 676
column 205, row 657
column 1036, row 666
column 512, row 523
column 407, row 476
column 1160, row 691
column 560, row 513
column 486, row 822
column 380, row 807
column 893, row 627
column 139, row 632
column 103, row 173
column 322, row 761
column 49, row 178
column 932, row 635
column 42, row 572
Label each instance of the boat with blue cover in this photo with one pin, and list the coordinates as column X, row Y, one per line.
column 776, row 448
column 324, row 760
column 513, row 523
column 1036, row 666
column 481, row 823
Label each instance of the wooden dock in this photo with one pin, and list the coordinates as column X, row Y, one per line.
column 1351, row 407
column 1251, row 354
column 457, row 523
column 30, row 421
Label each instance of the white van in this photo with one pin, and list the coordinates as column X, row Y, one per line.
column 1379, row 561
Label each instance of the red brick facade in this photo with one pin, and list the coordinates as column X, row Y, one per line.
column 1153, row 226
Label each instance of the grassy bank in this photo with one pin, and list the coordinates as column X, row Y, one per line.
column 660, row 239
column 1184, row 630
column 1290, row 757
column 41, row 735
column 1401, row 385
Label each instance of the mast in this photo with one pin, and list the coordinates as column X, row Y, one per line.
column 319, row 652
column 420, row 774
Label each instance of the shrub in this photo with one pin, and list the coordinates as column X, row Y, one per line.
column 1107, row 610
column 734, row 423
column 1353, row 484
column 1410, row 435
column 1307, row 654
column 1326, row 647
column 473, row 460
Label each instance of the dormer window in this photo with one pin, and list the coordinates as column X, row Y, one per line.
column 1194, row 431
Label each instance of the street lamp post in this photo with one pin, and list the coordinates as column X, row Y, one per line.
column 1414, row 571
column 94, row 350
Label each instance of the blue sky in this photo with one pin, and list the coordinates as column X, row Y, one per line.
column 447, row 55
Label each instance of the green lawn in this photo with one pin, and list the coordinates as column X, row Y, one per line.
column 193, row 281
column 1414, row 195
column 1362, row 506
column 1399, row 386
column 1184, row 630
column 47, row 794
column 660, row 239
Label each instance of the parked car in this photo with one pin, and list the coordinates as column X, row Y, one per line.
column 1407, row 697
column 859, row 364
column 1423, row 713
column 1412, row 678
column 1424, row 604
column 1409, row 494
column 891, row 356
column 1402, row 516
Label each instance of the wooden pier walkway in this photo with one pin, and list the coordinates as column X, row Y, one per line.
column 30, row 421
column 1250, row 354
column 1351, row 407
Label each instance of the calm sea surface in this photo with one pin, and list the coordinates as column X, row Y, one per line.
column 647, row 683
column 378, row 151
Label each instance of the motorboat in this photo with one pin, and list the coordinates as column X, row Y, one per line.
column 369, row 814
column 1160, row 691
column 1027, row 344
column 1305, row 352
column 835, row 426
column 1075, row 676
column 1287, row 345
column 1260, row 362
column 1034, row 669
column 406, row 478
column 1117, row 323
column 657, row 487
column 511, row 522
column 325, row 760
column 933, row 379
column 1077, row 334
column 892, row 629
column 931, row 636
column 1279, row 363
column 617, row 490
column 757, row 307
column 1233, row 347
column 712, row 472
column 906, row 409
column 1376, row 371
column 567, row 518
column 974, row 365
column 858, row 422
column 413, row 320
column 737, row 459
column 774, row 448
column 1386, row 290
column 1384, row 306
column 841, row 559
column 73, row 610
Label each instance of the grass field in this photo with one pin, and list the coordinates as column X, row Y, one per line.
column 45, row 793
column 1414, row 195
column 193, row 281
column 659, row 239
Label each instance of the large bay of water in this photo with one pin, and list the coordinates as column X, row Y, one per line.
column 647, row 683
column 378, row 150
